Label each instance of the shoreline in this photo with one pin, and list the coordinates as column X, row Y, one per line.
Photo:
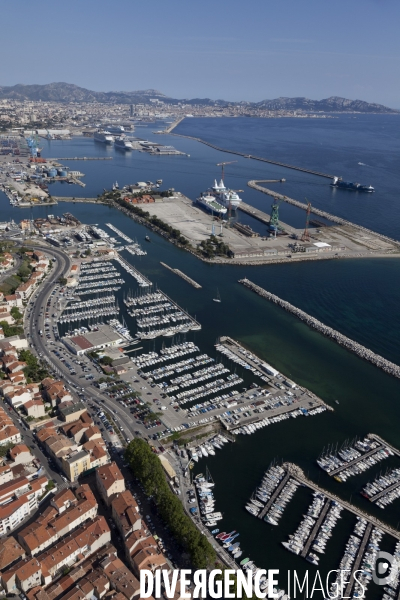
column 241, row 261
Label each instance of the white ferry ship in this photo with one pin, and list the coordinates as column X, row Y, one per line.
column 224, row 196
column 103, row 136
column 123, row 144
column 209, row 203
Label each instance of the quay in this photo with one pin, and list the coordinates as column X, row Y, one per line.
column 81, row 158
column 342, row 340
column 358, row 560
column 384, row 491
column 274, row 496
column 315, row 529
column 350, row 464
column 263, row 217
column 316, row 211
column 297, row 473
column 182, row 275
column 79, row 200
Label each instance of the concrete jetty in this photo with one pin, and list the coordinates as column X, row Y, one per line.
column 81, row 158
column 254, row 183
column 274, row 496
column 351, row 463
column 361, row 351
column 358, row 560
column 297, row 473
column 262, row 216
column 315, row 529
column 182, row 275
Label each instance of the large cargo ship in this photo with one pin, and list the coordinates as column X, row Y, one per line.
column 224, row 196
column 123, row 144
column 103, row 136
column 349, row 185
column 209, row 203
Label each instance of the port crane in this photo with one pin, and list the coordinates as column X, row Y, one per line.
column 274, row 218
column 306, row 235
column 222, row 164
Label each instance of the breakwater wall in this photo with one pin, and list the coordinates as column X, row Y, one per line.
column 182, row 275
column 316, row 211
column 342, row 340
column 259, row 158
column 297, row 473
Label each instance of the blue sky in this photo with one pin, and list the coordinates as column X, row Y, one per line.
column 236, row 50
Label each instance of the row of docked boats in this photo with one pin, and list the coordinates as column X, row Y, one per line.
column 189, row 379
column 228, row 541
column 387, row 486
column 99, row 301
column 179, row 367
column 104, row 310
column 135, row 250
column 97, row 266
column 166, row 354
column 208, row 388
column 299, row 541
column 277, row 508
column 145, row 299
column 240, row 361
column 120, row 233
column 206, row 500
column 121, row 328
column 208, row 448
column 94, row 287
column 141, row 279
column 250, row 428
column 355, row 459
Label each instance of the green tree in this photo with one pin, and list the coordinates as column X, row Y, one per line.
column 148, row 469
column 16, row 313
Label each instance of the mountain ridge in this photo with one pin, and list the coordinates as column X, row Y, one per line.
column 68, row 92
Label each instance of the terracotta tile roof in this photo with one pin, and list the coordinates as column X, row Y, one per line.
column 10, row 551
column 109, row 474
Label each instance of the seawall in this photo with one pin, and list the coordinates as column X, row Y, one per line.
column 342, row 340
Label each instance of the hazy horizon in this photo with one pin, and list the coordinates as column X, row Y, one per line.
column 233, row 51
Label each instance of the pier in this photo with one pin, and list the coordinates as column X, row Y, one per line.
column 297, row 473
column 263, row 217
column 384, row 491
column 315, row 529
column 182, row 275
column 81, row 158
column 274, row 496
column 358, row 560
column 350, row 464
column 78, row 200
column 342, row 340
column 316, row 211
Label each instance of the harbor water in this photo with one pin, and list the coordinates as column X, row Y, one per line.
column 360, row 298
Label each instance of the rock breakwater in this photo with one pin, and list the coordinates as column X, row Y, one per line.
column 355, row 347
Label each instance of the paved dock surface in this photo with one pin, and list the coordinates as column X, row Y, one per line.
column 385, row 491
column 355, row 461
column 315, row 529
column 358, row 560
column 274, row 496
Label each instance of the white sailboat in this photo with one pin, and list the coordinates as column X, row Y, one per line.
column 218, row 298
